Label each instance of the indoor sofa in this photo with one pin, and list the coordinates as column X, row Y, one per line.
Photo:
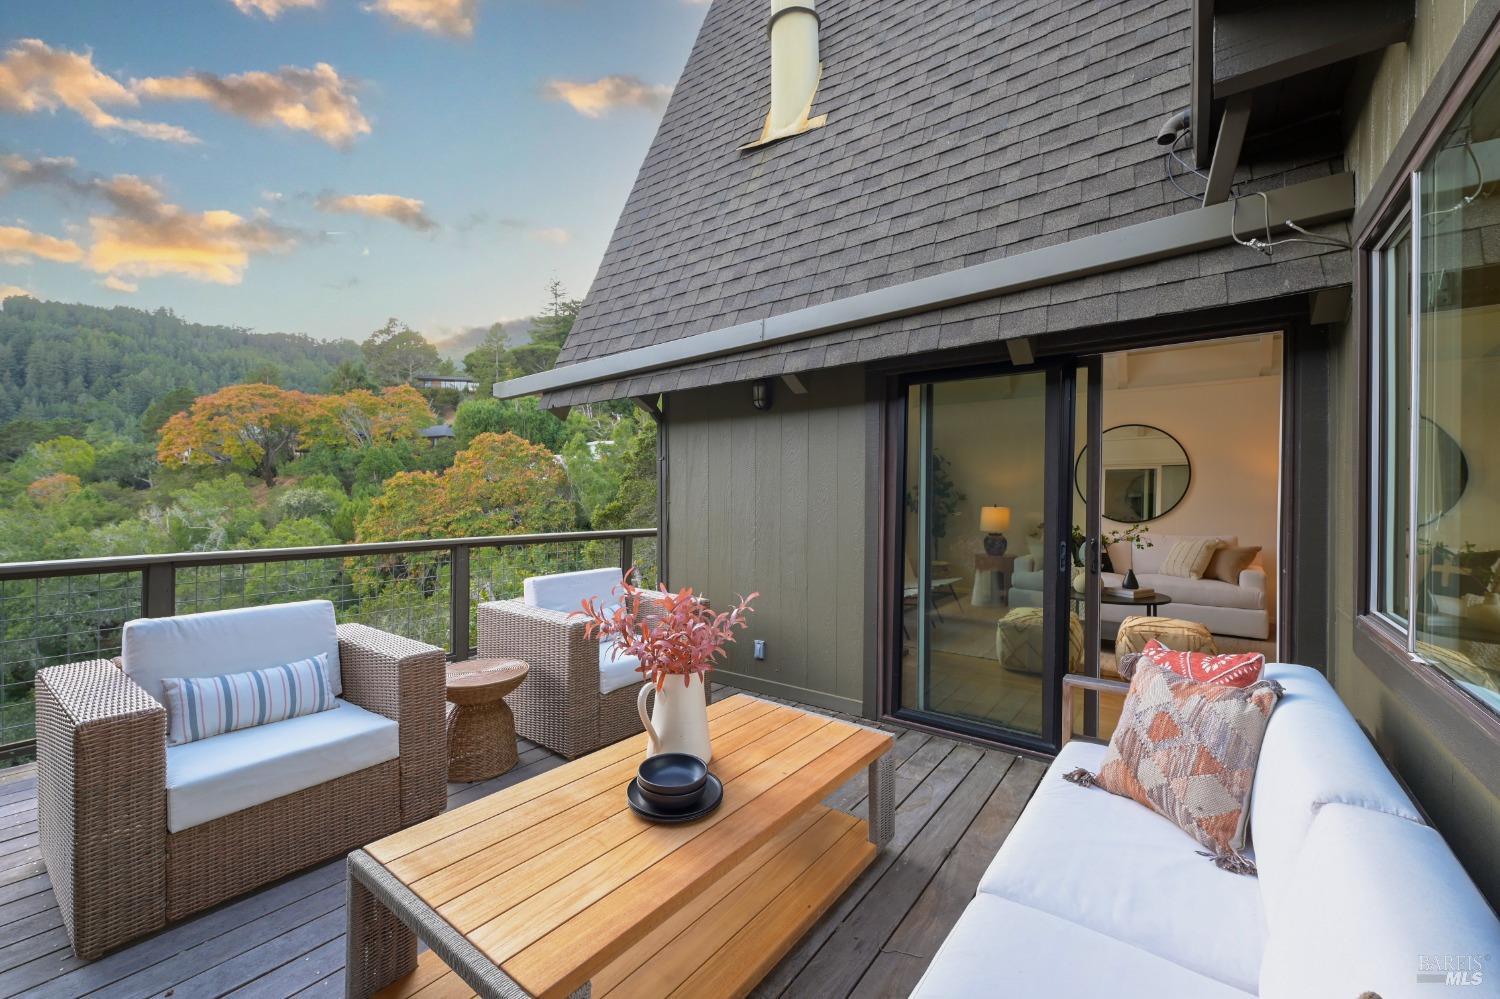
column 1095, row 895
column 137, row 833
column 1241, row 608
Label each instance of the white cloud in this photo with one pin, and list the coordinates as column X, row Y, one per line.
column 272, row 9
column 142, row 235
column 556, row 235
column 36, row 77
column 441, row 17
column 316, row 100
column 12, row 290
column 407, row 211
column 597, row 98
column 120, row 284
column 19, row 245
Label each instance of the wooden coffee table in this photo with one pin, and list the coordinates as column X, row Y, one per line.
column 481, row 728
column 554, row 887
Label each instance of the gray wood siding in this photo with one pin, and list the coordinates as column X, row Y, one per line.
column 777, row 502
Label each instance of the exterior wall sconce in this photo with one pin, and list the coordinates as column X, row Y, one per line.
column 760, row 394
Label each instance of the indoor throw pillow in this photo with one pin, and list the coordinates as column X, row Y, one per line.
column 203, row 707
column 1233, row 669
column 1189, row 557
column 1187, row 751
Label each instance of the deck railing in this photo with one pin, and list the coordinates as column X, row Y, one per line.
column 68, row 610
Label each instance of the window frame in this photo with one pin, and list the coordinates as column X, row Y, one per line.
column 1380, row 420
column 1399, row 638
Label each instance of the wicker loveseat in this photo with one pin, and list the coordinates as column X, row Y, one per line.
column 579, row 695
column 136, row 833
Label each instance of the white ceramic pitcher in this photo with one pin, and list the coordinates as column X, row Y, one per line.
column 678, row 723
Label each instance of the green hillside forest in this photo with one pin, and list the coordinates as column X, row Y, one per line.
column 126, row 432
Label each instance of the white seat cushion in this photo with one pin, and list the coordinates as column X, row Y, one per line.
column 229, row 641
column 211, row 778
column 1314, row 753
column 1117, row 868
column 1205, row 592
column 566, row 591
column 1374, row 902
column 616, row 671
column 1002, row 948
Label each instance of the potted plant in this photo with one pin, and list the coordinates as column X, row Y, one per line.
column 672, row 635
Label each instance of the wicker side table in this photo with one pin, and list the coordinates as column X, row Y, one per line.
column 481, row 728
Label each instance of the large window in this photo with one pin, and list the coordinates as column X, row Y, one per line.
column 1437, row 415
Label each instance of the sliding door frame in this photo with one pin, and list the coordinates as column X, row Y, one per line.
column 1060, row 407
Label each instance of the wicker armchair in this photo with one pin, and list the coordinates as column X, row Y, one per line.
column 561, row 705
column 117, row 870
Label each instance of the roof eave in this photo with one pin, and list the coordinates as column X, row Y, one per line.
column 1311, row 202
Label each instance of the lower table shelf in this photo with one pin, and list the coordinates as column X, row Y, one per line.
column 726, row 940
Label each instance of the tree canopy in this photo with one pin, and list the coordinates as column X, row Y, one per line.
column 396, row 353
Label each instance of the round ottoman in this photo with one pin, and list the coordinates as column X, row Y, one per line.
column 1019, row 636
column 481, row 728
column 1175, row 633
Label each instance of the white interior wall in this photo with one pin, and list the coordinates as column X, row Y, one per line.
column 1231, row 431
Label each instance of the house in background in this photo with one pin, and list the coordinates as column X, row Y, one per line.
column 977, row 293
column 461, row 383
column 437, row 432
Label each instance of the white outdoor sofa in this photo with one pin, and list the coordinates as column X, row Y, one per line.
column 1242, row 608
column 1094, row 895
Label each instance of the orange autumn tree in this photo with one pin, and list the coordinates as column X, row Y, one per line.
column 499, row 484
column 254, row 427
column 54, row 488
column 362, row 418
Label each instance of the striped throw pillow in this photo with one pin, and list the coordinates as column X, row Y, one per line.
column 1189, row 557
column 203, row 707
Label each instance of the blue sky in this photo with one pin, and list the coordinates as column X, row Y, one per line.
column 219, row 157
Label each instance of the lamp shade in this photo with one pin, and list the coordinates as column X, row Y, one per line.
column 994, row 519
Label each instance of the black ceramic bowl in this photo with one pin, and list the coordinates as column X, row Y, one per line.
column 672, row 775
column 671, row 804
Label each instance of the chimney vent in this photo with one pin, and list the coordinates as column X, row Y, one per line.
column 795, row 71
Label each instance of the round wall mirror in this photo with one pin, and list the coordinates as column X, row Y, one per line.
column 1446, row 470
column 1146, row 473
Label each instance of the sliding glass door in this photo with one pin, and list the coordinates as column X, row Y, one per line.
column 988, row 622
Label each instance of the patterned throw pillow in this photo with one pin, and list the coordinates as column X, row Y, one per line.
column 1189, row 557
column 203, row 707
column 1187, row 751
column 1233, row 669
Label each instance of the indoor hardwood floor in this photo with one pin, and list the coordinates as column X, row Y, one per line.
column 956, row 802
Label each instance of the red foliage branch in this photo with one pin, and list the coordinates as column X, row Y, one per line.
column 672, row 634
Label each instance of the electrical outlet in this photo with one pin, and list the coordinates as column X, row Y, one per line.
column 760, row 648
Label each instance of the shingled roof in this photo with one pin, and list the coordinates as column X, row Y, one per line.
column 959, row 131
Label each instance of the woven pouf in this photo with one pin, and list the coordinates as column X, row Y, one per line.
column 481, row 728
column 1175, row 633
column 1019, row 638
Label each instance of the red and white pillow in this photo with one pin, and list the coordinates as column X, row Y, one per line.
column 1232, row 669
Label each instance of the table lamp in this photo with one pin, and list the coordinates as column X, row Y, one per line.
column 993, row 521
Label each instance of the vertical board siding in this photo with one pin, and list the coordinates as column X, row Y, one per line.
column 1420, row 734
column 776, row 502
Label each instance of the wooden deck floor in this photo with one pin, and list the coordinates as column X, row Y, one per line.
column 956, row 802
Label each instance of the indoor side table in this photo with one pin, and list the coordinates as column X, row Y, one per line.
column 553, row 887
column 481, row 728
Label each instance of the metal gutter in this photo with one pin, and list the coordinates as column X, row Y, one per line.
column 1324, row 199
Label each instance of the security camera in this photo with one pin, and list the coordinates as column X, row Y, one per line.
column 1174, row 127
